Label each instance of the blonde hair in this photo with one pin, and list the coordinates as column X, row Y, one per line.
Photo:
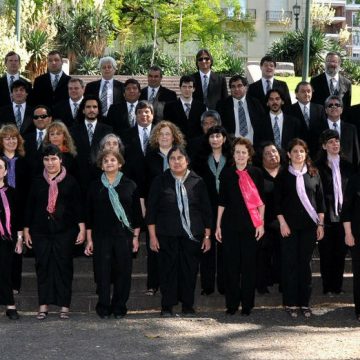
column 68, row 145
column 12, row 131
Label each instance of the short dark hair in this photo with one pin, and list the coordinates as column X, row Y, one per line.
column 207, row 52
column 132, row 81
column 18, row 84
column 50, row 150
column 328, row 134
column 48, row 111
column 54, row 52
column 156, row 68
column 302, row 83
column 102, row 154
column 279, row 91
column 11, row 53
column 144, row 104
column 267, row 58
column 237, row 78
column 80, row 81
column 187, row 79
column 182, row 151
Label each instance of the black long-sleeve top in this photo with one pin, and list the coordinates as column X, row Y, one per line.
column 68, row 213
column 346, row 170
column 236, row 215
column 163, row 211
column 351, row 206
column 287, row 201
column 101, row 218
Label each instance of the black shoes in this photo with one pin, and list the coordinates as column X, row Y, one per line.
column 231, row 311
column 166, row 311
column 188, row 311
column 207, row 291
column 12, row 314
column 245, row 311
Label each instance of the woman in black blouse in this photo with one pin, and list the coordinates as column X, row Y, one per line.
column 240, row 197
column 113, row 227
column 334, row 172
column 299, row 206
column 179, row 221
column 350, row 216
column 53, row 222
column 213, row 157
column 163, row 137
column 12, row 151
column 10, row 230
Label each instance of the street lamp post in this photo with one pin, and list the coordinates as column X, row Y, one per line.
column 296, row 11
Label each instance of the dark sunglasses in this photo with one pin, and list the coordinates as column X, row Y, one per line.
column 333, row 105
column 203, row 59
column 36, row 117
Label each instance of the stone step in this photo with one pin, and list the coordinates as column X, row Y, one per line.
column 85, row 301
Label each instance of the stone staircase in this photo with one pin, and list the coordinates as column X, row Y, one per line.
column 84, row 298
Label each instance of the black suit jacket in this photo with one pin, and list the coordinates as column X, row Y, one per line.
column 322, row 91
column 217, row 89
column 5, row 98
column 163, row 96
column 43, row 93
column 256, row 114
column 175, row 113
column 310, row 134
column 256, row 90
column 7, row 116
column 86, row 153
column 118, row 118
column 62, row 111
column 291, row 129
column 33, row 154
column 93, row 88
column 352, row 116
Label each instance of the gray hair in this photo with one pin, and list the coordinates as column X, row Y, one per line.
column 211, row 113
column 107, row 137
column 334, row 97
column 107, row 59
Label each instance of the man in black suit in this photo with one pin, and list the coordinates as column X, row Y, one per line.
column 121, row 116
column 109, row 90
column 87, row 134
column 12, row 64
column 33, row 141
column 331, row 82
column 186, row 111
column 311, row 116
column 18, row 112
column 259, row 88
column 67, row 110
column 348, row 135
column 51, row 88
column 242, row 115
column 279, row 127
column 210, row 87
column 156, row 94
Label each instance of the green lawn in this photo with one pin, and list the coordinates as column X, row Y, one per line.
column 293, row 80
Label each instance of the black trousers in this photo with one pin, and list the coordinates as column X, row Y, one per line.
column 212, row 267
column 332, row 249
column 297, row 250
column 239, row 249
column 355, row 255
column 6, row 256
column 54, row 267
column 179, row 259
column 113, row 263
column 152, row 266
column 16, row 271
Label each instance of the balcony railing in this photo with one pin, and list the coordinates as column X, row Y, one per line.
column 246, row 14
column 277, row 16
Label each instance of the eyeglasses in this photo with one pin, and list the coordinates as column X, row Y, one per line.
column 330, row 106
column 36, row 117
column 203, row 59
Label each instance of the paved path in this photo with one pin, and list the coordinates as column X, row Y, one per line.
column 332, row 333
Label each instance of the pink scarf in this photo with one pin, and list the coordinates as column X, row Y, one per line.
column 7, row 214
column 334, row 162
column 300, row 189
column 251, row 197
column 53, row 189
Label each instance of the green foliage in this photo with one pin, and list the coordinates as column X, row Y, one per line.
column 87, row 65
column 37, row 44
column 290, row 48
column 351, row 70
